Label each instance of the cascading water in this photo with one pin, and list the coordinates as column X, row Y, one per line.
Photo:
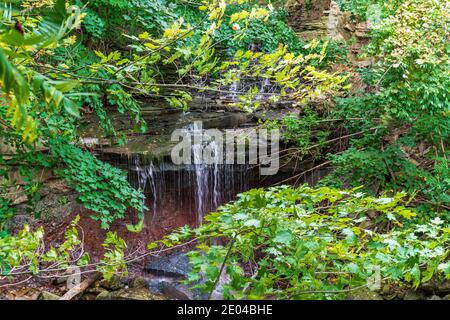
column 265, row 83
column 178, row 195
column 234, row 88
column 265, row 86
column 206, row 175
column 146, row 177
column 196, row 188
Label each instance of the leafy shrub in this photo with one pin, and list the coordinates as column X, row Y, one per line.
column 266, row 35
column 313, row 243
column 94, row 25
column 103, row 188
column 358, row 8
column 111, row 19
column 408, row 148
column 26, row 253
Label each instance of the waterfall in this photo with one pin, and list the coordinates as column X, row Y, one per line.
column 234, row 88
column 194, row 189
column 151, row 173
column 207, row 177
column 147, row 177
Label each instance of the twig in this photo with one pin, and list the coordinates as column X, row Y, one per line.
column 15, row 283
column 223, row 265
column 69, row 295
column 304, row 172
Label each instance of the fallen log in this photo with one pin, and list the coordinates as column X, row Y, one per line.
column 81, row 287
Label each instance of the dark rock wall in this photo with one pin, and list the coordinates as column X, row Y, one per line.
column 319, row 18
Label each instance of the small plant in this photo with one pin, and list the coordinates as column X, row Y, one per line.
column 26, row 254
column 103, row 189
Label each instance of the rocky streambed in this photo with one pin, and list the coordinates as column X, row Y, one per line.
column 162, row 280
column 175, row 196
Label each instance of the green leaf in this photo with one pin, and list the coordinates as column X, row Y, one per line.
column 252, row 223
column 283, row 236
column 71, row 108
column 137, row 227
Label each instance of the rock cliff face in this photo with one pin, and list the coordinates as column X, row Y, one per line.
column 316, row 19
column 309, row 17
column 319, row 18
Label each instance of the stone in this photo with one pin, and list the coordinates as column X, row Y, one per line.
column 364, row 294
column 217, row 294
column 55, row 186
column 139, row 282
column 435, row 297
column 45, row 295
column 175, row 265
column 55, row 207
column 128, row 294
column 333, row 21
column 176, row 291
column 440, row 287
column 90, row 142
column 114, row 284
column 414, row 295
column 318, row 19
column 156, row 285
column 20, row 200
column 57, row 202
column 95, row 290
column 308, row 18
column 22, row 293
column 88, row 296
column 172, row 289
column 157, row 143
column 21, row 218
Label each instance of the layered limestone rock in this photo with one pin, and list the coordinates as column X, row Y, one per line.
column 319, row 18
column 316, row 19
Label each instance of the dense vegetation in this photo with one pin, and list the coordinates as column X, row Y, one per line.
column 383, row 209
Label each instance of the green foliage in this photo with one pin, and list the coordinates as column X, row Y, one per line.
column 265, row 35
column 295, row 75
column 102, row 188
column 6, row 212
column 416, row 161
column 113, row 262
column 110, row 19
column 93, row 24
column 284, row 242
column 306, row 132
column 42, row 68
column 21, row 85
column 411, row 55
column 410, row 110
column 26, row 253
column 41, row 109
column 313, row 243
column 358, row 8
